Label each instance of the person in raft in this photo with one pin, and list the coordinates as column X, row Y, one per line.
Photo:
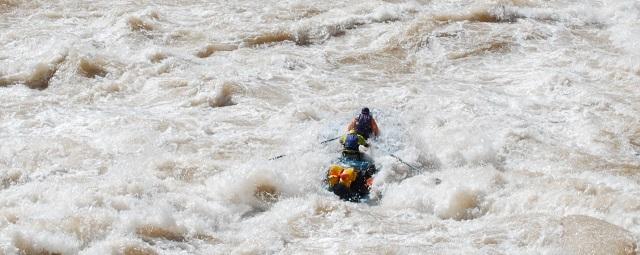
column 351, row 145
column 365, row 125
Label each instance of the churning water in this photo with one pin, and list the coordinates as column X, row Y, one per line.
column 146, row 127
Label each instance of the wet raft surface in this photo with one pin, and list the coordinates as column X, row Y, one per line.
column 350, row 178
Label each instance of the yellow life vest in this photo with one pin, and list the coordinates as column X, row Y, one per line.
column 338, row 174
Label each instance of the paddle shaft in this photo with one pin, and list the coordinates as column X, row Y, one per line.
column 403, row 162
column 329, row 140
column 323, row 142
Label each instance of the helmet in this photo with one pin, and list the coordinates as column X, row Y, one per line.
column 352, row 131
column 365, row 110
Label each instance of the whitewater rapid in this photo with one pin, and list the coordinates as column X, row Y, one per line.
column 146, row 127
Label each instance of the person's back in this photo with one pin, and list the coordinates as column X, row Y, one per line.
column 351, row 144
column 365, row 124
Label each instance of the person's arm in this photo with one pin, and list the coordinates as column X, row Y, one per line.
column 351, row 125
column 342, row 139
column 374, row 127
column 362, row 141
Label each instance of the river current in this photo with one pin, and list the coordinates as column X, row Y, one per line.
column 147, row 127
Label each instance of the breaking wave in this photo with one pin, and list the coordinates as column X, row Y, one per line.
column 206, row 127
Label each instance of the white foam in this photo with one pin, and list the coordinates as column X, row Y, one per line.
column 40, row 241
column 149, row 129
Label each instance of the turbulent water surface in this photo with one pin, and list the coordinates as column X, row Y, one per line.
column 146, row 127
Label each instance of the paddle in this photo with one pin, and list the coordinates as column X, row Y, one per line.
column 323, row 142
column 277, row 157
column 403, row 162
column 415, row 169
column 329, row 140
